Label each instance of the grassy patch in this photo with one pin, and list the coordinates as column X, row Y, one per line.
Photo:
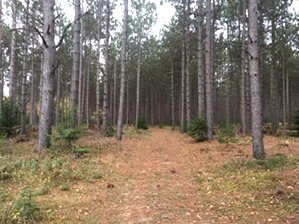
column 245, row 189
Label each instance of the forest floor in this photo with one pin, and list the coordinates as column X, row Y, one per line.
column 153, row 176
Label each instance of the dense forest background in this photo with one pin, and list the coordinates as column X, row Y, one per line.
column 170, row 78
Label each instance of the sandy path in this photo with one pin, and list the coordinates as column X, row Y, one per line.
column 159, row 189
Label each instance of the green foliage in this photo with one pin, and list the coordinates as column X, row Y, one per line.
column 8, row 118
column 110, row 132
column 271, row 163
column 296, row 121
column 142, row 124
column 227, row 134
column 198, row 129
column 67, row 134
column 21, row 210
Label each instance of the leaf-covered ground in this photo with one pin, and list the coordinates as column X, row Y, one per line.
column 153, row 176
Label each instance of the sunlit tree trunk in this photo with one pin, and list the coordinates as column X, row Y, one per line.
column 123, row 73
column 46, row 109
column 76, row 63
column 257, row 135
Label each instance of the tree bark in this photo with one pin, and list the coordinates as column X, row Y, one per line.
column 188, row 88
column 33, row 94
column 123, row 73
column 47, row 76
column 273, row 83
column 242, row 72
column 24, row 78
column 209, row 76
column 105, row 75
column 172, row 96
column 12, row 75
column 80, row 76
column 1, row 62
column 57, row 111
column 99, row 34
column 257, row 134
column 76, row 64
column 138, row 79
column 200, row 62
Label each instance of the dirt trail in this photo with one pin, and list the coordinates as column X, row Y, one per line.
column 159, row 189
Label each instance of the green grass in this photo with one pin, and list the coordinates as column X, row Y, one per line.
column 237, row 188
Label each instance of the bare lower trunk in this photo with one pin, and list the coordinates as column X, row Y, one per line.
column 273, row 83
column 57, row 111
column 188, row 88
column 12, row 75
column 242, row 72
column 257, row 135
column 200, row 72
column 87, row 95
column 24, row 78
column 47, row 77
column 105, row 76
column 209, row 81
column 138, row 80
column 76, row 64
column 172, row 96
column 123, row 73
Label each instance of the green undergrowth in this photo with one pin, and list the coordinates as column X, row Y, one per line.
column 248, row 191
column 25, row 177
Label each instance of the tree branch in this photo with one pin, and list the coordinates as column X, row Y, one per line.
column 43, row 39
column 67, row 27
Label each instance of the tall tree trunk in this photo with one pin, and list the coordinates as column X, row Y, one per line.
column 172, row 96
column 58, row 90
column 24, row 78
column 242, row 72
column 229, row 78
column 257, row 134
column 46, row 109
column 200, row 62
column 182, row 128
column 99, row 70
column 273, row 83
column 123, row 74
column 138, row 80
column 105, row 76
column 188, row 88
column 209, row 76
column 128, row 100
column 87, row 94
column 114, row 94
column 12, row 75
column 76, row 64
column 33, row 94
column 1, row 61
column 80, row 86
